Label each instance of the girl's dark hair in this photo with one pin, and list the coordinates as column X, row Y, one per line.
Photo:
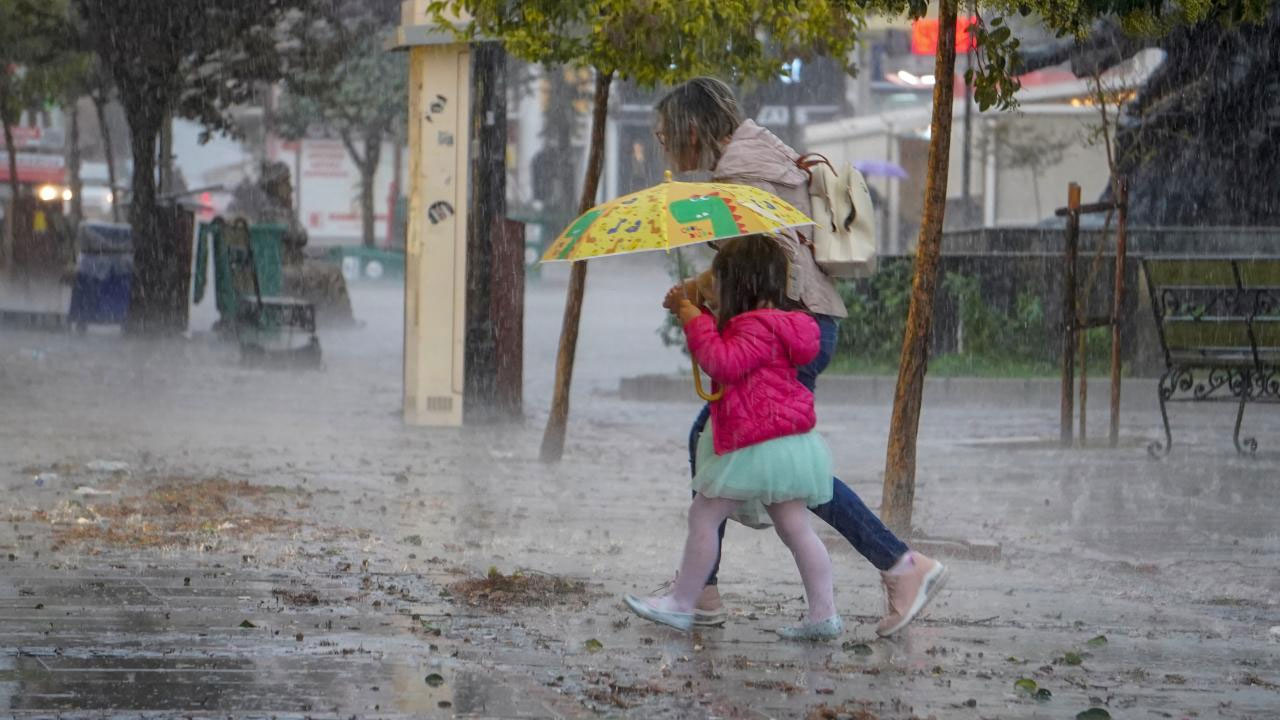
column 750, row 271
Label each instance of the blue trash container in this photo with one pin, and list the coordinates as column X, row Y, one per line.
column 104, row 275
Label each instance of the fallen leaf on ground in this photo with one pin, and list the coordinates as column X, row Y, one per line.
column 532, row 589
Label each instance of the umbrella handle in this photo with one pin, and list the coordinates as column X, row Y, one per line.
column 697, row 385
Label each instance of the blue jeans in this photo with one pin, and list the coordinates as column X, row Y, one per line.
column 845, row 512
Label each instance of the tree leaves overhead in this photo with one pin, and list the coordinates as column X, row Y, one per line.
column 38, row 60
column 360, row 91
column 653, row 42
column 365, row 90
column 198, row 59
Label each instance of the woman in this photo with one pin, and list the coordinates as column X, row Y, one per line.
column 700, row 127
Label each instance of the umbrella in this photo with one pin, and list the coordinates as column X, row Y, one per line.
column 883, row 168
column 671, row 215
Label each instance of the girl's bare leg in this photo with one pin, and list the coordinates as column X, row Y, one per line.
column 700, row 549
column 791, row 521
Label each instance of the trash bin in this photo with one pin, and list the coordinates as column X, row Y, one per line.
column 229, row 281
column 104, row 275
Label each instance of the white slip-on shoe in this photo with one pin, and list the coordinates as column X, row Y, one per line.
column 645, row 609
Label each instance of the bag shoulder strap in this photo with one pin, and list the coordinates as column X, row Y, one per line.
column 812, row 160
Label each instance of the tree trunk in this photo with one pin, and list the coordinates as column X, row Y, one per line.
column 109, row 155
column 73, row 162
column 489, row 286
column 372, row 157
column 558, row 422
column 13, row 160
column 151, row 295
column 368, row 165
column 367, row 172
column 6, row 232
column 900, row 460
column 166, row 155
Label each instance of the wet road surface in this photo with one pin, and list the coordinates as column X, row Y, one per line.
column 282, row 546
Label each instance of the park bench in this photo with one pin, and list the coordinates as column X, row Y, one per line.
column 1219, row 326
column 267, row 326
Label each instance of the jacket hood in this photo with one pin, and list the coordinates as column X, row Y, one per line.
column 796, row 331
column 755, row 153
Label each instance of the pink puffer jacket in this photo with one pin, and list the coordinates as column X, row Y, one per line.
column 754, row 361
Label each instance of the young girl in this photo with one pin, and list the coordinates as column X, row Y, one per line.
column 761, row 448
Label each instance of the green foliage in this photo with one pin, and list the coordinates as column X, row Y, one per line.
column 994, row 76
column 877, row 313
column 1018, row 342
column 363, row 97
column 655, row 42
column 1020, row 334
column 203, row 59
column 38, row 60
column 671, row 334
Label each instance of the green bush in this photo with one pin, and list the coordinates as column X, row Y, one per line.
column 988, row 333
column 991, row 342
column 877, row 305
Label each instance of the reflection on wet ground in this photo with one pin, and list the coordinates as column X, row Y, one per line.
column 146, row 639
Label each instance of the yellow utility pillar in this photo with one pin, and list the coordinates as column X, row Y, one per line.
column 436, row 246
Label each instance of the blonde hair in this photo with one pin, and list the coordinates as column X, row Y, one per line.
column 696, row 117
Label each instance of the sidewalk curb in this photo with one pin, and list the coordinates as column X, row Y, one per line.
column 957, row 549
column 1137, row 394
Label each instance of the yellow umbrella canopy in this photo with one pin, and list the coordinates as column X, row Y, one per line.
column 671, row 215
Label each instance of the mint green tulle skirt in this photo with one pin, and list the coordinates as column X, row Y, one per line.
column 794, row 467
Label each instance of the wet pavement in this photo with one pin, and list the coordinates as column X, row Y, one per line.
column 282, row 546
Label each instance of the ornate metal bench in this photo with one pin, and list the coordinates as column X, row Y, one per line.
column 1219, row 328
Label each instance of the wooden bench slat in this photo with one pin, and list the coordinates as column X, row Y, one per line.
column 1219, row 324
column 1190, row 273
column 1195, row 334
column 1259, row 272
column 1267, row 332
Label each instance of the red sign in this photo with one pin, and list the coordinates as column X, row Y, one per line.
column 324, row 158
column 35, row 168
column 23, row 136
column 924, row 35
